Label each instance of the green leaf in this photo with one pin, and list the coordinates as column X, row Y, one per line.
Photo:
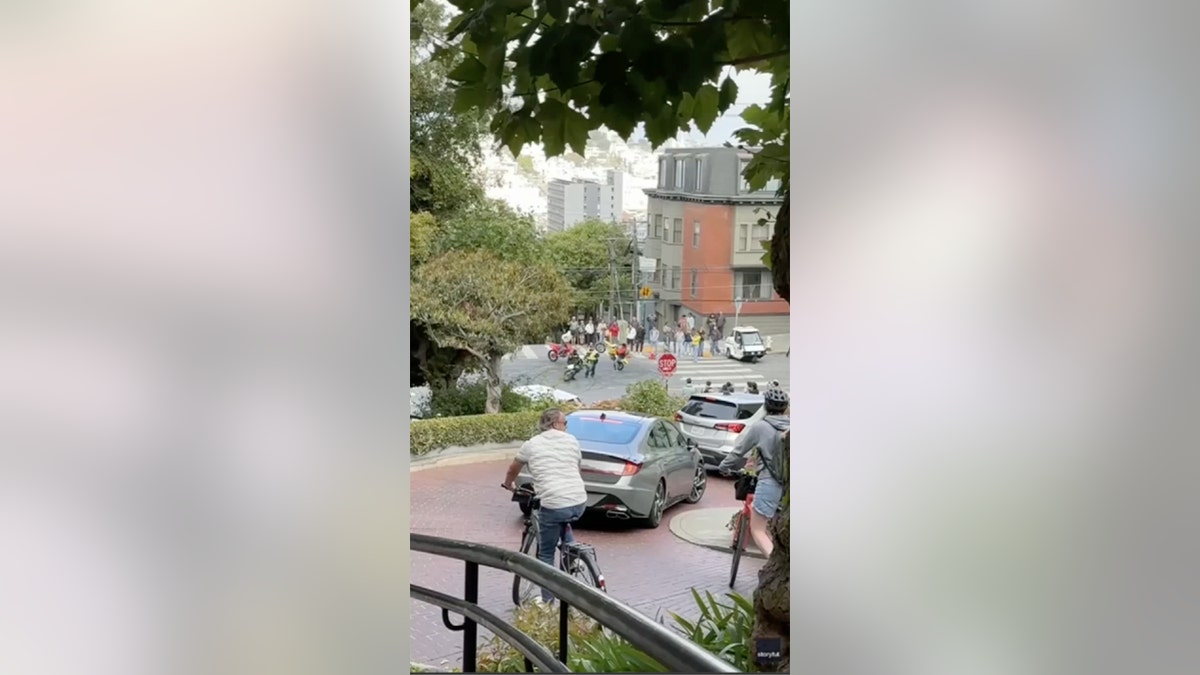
column 662, row 127
column 470, row 69
column 521, row 130
column 562, row 126
column 748, row 39
column 729, row 92
column 706, row 107
column 472, row 97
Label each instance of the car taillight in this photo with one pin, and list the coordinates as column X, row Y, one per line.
column 631, row 468
column 735, row 428
column 678, row 417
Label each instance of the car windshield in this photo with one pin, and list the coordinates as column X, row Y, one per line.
column 591, row 429
column 751, row 339
column 700, row 406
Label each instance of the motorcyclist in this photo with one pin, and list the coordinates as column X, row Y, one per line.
column 622, row 353
column 593, row 356
column 574, row 362
column 766, row 438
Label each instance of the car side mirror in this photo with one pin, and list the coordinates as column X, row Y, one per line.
column 691, row 444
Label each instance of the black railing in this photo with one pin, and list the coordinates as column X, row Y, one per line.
column 670, row 649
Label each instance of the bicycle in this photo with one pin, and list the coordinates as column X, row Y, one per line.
column 575, row 558
column 744, row 491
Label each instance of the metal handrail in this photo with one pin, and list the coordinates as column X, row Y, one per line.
column 529, row 648
column 667, row 647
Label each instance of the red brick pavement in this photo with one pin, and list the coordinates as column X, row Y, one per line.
column 651, row 570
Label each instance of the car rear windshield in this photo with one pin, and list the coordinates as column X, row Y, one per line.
column 591, row 429
column 700, row 406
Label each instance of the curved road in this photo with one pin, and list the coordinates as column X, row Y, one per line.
column 651, row 570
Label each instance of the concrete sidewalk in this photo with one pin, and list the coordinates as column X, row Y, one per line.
column 710, row 528
column 776, row 344
column 457, row 455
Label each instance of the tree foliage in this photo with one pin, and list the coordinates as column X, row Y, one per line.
column 583, row 253
column 445, row 142
column 489, row 226
column 552, row 71
column 479, row 302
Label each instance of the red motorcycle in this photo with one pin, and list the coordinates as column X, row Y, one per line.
column 555, row 350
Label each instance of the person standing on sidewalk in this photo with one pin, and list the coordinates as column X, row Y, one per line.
column 697, row 346
column 554, row 459
column 654, row 337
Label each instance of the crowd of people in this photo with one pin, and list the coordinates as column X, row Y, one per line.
column 689, row 336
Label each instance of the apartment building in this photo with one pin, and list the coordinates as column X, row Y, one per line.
column 571, row 202
column 705, row 228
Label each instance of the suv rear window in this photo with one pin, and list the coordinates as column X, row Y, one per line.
column 699, row 406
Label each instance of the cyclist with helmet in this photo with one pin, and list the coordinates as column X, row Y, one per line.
column 766, row 437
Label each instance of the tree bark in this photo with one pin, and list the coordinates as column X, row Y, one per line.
column 495, row 386
column 773, row 597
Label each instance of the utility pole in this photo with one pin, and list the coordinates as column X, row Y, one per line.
column 612, row 268
column 635, row 271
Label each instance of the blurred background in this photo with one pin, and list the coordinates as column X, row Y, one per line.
column 201, row 289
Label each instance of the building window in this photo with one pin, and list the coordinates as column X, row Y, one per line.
column 658, row 271
column 750, row 285
column 679, row 174
column 698, row 179
column 693, row 284
column 662, row 172
column 695, row 234
column 761, row 232
column 743, row 186
column 676, row 273
column 658, row 233
column 677, row 231
column 743, row 237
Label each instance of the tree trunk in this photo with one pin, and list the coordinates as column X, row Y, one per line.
column 491, row 371
column 773, row 597
column 781, row 246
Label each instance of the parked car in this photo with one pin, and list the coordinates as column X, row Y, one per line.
column 634, row 467
column 745, row 344
column 541, row 391
column 714, row 421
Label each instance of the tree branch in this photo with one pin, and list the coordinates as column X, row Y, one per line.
column 567, row 88
column 745, row 60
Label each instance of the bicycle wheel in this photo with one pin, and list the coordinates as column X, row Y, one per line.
column 587, row 570
column 524, row 590
column 738, row 544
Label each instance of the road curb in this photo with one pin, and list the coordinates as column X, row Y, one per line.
column 461, row 456
column 706, row 528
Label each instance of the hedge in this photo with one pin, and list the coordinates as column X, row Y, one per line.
column 443, row 432
column 646, row 398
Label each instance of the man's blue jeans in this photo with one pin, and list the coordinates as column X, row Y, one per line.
column 550, row 528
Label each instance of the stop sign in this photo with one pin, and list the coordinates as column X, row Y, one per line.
column 666, row 364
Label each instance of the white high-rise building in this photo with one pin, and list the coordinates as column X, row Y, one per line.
column 571, row 202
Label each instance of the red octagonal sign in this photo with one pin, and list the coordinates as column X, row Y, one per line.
column 666, row 364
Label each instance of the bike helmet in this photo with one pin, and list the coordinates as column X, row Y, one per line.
column 776, row 400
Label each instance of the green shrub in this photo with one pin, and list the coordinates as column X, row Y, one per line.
column 650, row 397
column 443, row 432
column 723, row 629
column 470, row 399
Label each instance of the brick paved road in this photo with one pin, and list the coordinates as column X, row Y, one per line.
column 651, row 570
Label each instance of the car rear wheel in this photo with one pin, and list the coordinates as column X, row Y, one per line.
column 699, row 484
column 654, row 519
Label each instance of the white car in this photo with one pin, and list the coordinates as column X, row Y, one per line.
column 745, row 344
column 541, row 391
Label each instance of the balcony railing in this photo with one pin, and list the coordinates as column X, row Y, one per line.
column 667, row 647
